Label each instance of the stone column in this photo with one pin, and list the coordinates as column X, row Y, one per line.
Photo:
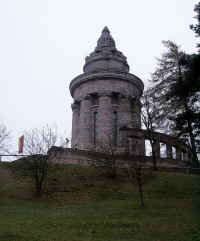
column 185, row 156
column 85, row 124
column 125, row 116
column 136, row 112
column 178, row 154
column 156, row 148
column 75, row 123
column 123, row 142
column 136, row 120
column 136, row 146
column 169, row 151
column 105, row 120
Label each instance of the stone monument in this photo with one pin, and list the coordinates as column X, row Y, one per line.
column 106, row 98
column 106, row 113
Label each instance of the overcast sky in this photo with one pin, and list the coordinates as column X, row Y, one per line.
column 44, row 43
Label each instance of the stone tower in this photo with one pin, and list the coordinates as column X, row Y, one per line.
column 106, row 97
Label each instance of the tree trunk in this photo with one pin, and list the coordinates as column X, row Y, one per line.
column 155, row 168
column 193, row 145
column 38, row 188
column 139, row 182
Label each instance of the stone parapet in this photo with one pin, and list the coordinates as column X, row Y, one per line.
column 84, row 157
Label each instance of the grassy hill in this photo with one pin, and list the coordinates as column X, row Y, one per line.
column 81, row 204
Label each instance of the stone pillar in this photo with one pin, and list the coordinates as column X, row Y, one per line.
column 136, row 112
column 125, row 120
column 156, row 148
column 125, row 116
column 185, row 156
column 169, row 151
column 136, row 146
column 136, row 120
column 123, row 142
column 85, row 124
column 105, row 120
column 75, row 124
column 178, row 154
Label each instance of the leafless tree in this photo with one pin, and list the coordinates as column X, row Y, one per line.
column 5, row 139
column 149, row 116
column 135, row 173
column 36, row 143
column 136, row 169
column 39, row 140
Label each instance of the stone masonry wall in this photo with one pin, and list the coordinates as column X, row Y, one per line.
column 109, row 116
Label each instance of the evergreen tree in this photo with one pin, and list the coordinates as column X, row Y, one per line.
column 176, row 92
column 196, row 27
column 169, row 70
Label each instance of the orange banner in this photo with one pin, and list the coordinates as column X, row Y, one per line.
column 20, row 144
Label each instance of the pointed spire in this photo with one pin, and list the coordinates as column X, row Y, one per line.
column 106, row 30
column 106, row 57
column 105, row 41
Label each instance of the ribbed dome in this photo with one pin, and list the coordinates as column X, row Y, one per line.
column 106, row 57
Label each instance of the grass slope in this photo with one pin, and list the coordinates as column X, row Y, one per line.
column 82, row 205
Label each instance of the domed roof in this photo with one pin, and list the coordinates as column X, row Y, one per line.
column 106, row 57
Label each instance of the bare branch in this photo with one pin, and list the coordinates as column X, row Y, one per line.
column 39, row 141
column 5, row 139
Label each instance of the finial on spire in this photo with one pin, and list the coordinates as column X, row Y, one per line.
column 105, row 29
column 105, row 41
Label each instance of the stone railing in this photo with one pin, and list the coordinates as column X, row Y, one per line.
column 175, row 149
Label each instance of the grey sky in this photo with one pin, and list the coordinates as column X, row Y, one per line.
column 44, row 42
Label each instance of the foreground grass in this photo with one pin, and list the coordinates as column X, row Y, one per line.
column 88, row 207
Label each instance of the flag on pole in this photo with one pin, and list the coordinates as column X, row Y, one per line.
column 20, row 144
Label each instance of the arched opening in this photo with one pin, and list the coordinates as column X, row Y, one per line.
column 173, row 152
column 163, row 150
column 148, row 148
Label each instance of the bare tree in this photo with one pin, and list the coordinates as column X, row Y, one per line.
column 37, row 168
column 39, row 141
column 36, row 143
column 149, row 116
column 5, row 139
column 136, row 174
column 136, row 169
